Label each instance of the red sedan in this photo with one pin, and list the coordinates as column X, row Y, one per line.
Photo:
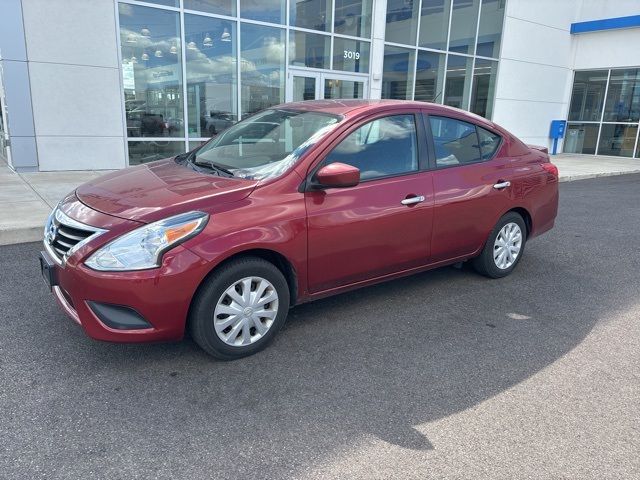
column 297, row 202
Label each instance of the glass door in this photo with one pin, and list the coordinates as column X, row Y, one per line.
column 341, row 88
column 311, row 85
column 305, row 88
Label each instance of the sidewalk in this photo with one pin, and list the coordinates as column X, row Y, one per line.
column 26, row 199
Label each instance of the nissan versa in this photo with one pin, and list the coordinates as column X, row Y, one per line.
column 297, row 202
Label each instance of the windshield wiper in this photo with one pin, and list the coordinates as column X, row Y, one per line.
column 182, row 157
column 223, row 172
column 188, row 156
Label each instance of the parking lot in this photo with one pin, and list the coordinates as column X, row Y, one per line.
column 444, row 374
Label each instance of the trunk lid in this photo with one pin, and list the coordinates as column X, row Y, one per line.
column 539, row 148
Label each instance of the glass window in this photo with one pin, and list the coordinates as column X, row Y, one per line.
column 483, row 89
column 429, row 77
column 221, row 7
column 464, row 19
column 262, row 64
column 350, row 55
column 623, row 96
column 272, row 11
column 581, row 138
column 587, row 96
column 151, row 71
column 397, row 76
column 458, row 83
column 312, row 14
column 455, row 142
column 617, row 140
column 211, row 74
column 268, row 143
column 168, row 3
column 304, row 88
column 434, row 24
column 489, row 143
column 402, row 21
column 309, row 49
column 490, row 28
column 353, row 17
column 383, row 147
column 149, row 151
column 334, row 88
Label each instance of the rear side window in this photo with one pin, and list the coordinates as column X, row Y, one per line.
column 489, row 143
column 383, row 147
column 455, row 142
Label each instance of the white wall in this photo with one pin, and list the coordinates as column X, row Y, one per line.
column 72, row 53
column 377, row 47
column 535, row 75
column 609, row 48
column 539, row 56
column 599, row 9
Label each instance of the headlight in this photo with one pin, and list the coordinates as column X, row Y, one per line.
column 143, row 247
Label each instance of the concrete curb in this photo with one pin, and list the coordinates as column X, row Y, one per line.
column 13, row 236
column 586, row 176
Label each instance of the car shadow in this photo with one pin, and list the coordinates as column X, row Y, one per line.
column 374, row 362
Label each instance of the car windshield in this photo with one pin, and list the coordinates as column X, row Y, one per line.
column 266, row 144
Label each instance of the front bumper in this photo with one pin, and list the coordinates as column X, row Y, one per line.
column 141, row 306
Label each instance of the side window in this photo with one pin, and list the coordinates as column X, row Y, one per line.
column 489, row 143
column 455, row 142
column 382, row 147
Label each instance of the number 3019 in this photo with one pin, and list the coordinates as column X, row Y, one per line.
column 351, row 55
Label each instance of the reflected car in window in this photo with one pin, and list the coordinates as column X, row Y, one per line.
column 295, row 203
column 216, row 122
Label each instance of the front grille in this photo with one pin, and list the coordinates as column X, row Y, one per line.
column 64, row 235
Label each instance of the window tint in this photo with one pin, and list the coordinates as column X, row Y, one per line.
column 455, row 142
column 489, row 143
column 386, row 146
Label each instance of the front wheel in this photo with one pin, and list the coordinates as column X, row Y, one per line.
column 504, row 247
column 240, row 308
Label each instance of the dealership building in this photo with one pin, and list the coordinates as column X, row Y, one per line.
column 103, row 84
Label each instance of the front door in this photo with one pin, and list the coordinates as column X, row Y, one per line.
column 314, row 85
column 381, row 226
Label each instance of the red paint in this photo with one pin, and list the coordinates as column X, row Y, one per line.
column 335, row 239
column 338, row 175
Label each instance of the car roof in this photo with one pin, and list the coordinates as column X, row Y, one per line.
column 349, row 107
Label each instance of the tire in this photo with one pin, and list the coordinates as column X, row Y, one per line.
column 486, row 264
column 241, row 335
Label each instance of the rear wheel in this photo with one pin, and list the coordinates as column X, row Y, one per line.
column 240, row 308
column 504, row 247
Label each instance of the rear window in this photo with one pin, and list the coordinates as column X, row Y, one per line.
column 489, row 143
column 455, row 141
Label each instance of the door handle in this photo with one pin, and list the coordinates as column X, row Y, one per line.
column 413, row 200
column 501, row 185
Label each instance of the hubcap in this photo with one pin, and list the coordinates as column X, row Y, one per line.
column 507, row 246
column 245, row 311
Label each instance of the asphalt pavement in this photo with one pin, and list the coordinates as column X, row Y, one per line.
column 444, row 374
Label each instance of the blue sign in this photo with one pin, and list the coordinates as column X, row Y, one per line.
column 557, row 128
column 556, row 132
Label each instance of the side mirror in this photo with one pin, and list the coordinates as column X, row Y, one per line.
column 337, row 175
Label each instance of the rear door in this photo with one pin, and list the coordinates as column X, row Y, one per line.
column 470, row 182
column 382, row 225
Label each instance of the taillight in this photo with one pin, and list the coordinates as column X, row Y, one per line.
column 550, row 168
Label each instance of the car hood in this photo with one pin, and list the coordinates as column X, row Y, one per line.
column 157, row 190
